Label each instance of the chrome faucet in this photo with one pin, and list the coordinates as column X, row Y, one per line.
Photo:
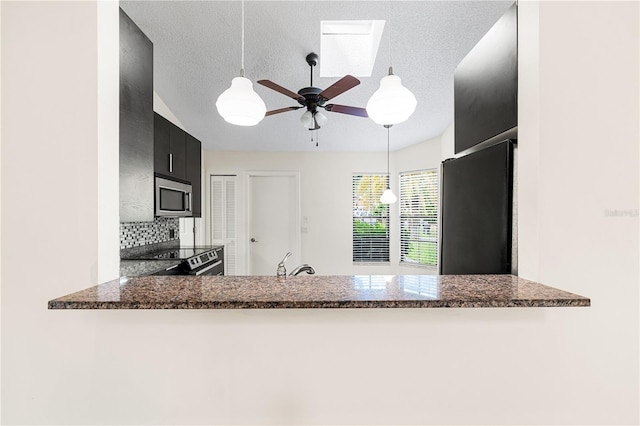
column 282, row 271
column 303, row 268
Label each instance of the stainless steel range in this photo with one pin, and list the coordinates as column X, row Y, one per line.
column 195, row 260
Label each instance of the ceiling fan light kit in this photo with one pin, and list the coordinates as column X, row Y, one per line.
column 392, row 103
column 307, row 119
column 320, row 118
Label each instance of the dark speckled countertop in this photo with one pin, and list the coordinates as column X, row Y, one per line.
column 136, row 268
column 318, row 291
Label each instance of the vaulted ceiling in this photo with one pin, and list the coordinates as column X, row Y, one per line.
column 197, row 47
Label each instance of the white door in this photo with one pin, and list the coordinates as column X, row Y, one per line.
column 223, row 219
column 274, row 224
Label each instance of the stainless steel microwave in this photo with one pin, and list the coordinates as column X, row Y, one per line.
column 173, row 198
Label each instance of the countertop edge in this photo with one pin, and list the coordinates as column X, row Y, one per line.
column 350, row 304
column 319, row 292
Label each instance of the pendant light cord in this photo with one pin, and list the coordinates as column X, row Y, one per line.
column 242, row 60
column 388, row 173
column 389, row 17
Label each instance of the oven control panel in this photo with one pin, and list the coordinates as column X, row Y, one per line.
column 202, row 259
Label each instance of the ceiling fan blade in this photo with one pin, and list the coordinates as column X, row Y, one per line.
column 345, row 83
column 278, row 111
column 344, row 109
column 273, row 86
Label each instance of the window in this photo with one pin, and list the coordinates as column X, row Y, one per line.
column 349, row 47
column 370, row 219
column 419, row 217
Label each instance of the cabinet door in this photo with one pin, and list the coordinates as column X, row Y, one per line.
column 178, row 153
column 194, row 174
column 136, row 123
column 162, row 144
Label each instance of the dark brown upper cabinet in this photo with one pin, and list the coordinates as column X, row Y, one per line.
column 486, row 85
column 194, row 172
column 169, row 149
column 177, row 155
column 136, row 123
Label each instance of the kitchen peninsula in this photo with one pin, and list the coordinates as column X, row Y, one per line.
column 330, row 291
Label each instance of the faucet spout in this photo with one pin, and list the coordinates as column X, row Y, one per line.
column 303, row 268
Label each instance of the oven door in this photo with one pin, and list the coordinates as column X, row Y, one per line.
column 172, row 270
column 212, row 268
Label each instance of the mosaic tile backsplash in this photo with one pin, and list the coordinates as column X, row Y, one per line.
column 134, row 234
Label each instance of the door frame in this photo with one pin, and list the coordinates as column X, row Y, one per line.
column 297, row 256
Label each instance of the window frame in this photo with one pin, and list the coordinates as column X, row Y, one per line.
column 432, row 222
column 374, row 245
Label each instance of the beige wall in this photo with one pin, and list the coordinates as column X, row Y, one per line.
column 448, row 366
column 578, row 157
column 326, row 199
column 108, row 134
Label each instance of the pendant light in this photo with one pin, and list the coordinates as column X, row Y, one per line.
column 388, row 197
column 392, row 103
column 240, row 104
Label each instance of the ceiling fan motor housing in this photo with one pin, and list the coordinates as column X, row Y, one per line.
column 311, row 98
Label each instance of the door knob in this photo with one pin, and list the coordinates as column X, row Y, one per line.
column 253, row 240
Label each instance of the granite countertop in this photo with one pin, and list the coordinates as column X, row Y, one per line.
column 318, row 291
column 136, row 268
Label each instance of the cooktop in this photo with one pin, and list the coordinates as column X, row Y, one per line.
column 174, row 253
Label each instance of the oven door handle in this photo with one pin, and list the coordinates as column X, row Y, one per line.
column 203, row 270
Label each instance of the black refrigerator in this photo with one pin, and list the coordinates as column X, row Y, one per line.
column 477, row 200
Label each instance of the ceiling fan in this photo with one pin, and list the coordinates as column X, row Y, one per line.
column 313, row 98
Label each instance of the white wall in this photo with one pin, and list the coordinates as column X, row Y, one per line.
column 108, row 133
column 326, row 199
column 448, row 366
column 447, row 142
column 161, row 108
column 325, row 182
column 578, row 158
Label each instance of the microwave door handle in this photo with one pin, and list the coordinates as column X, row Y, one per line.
column 188, row 200
column 170, row 163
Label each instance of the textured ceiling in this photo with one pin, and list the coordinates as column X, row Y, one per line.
column 197, row 47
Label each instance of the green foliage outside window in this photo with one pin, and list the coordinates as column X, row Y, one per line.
column 361, row 227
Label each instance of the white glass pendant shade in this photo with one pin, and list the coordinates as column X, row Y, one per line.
column 240, row 105
column 392, row 103
column 321, row 119
column 388, row 197
column 307, row 119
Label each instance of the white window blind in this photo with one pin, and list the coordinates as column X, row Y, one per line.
column 224, row 219
column 419, row 217
column 370, row 219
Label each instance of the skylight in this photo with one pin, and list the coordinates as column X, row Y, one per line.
column 349, row 47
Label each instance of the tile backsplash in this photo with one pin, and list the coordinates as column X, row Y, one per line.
column 135, row 234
